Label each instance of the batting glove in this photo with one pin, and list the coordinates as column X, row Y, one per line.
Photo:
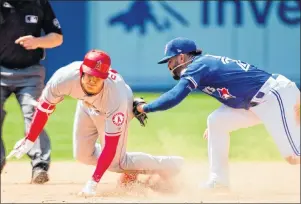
column 21, row 147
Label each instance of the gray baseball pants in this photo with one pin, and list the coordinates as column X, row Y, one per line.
column 27, row 85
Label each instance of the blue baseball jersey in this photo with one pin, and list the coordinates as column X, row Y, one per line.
column 232, row 82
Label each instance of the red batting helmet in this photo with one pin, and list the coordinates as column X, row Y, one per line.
column 96, row 63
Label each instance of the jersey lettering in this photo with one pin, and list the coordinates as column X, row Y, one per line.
column 226, row 60
column 209, row 90
column 112, row 74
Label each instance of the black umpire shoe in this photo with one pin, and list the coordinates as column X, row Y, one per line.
column 3, row 162
column 39, row 175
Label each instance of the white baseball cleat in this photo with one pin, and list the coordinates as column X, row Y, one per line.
column 214, row 185
column 89, row 190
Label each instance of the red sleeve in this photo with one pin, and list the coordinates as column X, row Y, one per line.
column 39, row 120
column 106, row 157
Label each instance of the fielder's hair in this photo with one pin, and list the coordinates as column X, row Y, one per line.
column 196, row 52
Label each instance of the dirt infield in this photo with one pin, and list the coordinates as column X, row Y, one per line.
column 251, row 182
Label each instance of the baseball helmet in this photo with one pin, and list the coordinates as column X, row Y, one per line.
column 96, row 63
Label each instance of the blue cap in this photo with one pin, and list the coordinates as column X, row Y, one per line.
column 177, row 46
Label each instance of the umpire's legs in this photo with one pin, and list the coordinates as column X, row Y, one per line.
column 40, row 153
column 4, row 94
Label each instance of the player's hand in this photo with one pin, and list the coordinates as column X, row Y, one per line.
column 29, row 42
column 205, row 135
column 21, row 147
column 138, row 104
column 89, row 189
column 140, row 108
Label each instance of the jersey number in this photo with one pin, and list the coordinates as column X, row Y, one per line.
column 226, row 60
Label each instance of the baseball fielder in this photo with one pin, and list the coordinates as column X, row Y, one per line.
column 249, row 95
column 104, row 110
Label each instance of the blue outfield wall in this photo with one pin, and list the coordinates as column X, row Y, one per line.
column 134, row 33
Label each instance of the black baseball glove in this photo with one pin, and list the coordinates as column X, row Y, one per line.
column 140, row 116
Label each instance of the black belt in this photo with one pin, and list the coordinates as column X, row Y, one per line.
column 253, row 104
column 261, row 94
column 15, row 67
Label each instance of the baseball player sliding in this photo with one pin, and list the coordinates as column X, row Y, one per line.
column 249, row 96
column 104, row 110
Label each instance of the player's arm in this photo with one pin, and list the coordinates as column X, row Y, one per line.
column 171, row 98
column 106, row 157
column 194, row 73
column 51, row 95
column 43, row 110
column 53, row 34
column 51, row 27
column 114, row 126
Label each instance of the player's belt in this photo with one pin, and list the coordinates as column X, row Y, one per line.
column 253, row 104
column 9, row 66
column 266, row 87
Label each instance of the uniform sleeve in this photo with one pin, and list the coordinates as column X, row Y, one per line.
column 195, row 73
column 55, row 89
column 171, row 98
column 50, row 22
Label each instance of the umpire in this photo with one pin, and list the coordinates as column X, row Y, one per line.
column 21, row 49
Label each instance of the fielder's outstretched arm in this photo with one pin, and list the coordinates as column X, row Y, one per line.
column 171, row 98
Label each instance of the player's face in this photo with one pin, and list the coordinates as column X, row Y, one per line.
column 172, row 63
column 175, row 67
column 177, row 64
column 91, row 84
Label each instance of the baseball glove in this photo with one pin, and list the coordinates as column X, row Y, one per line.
column 140, row 116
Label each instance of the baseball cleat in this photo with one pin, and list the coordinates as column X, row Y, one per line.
column 39, row 176
column 89, row 190
column 214, row 185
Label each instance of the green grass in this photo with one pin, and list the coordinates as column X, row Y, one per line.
column 177, row 131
